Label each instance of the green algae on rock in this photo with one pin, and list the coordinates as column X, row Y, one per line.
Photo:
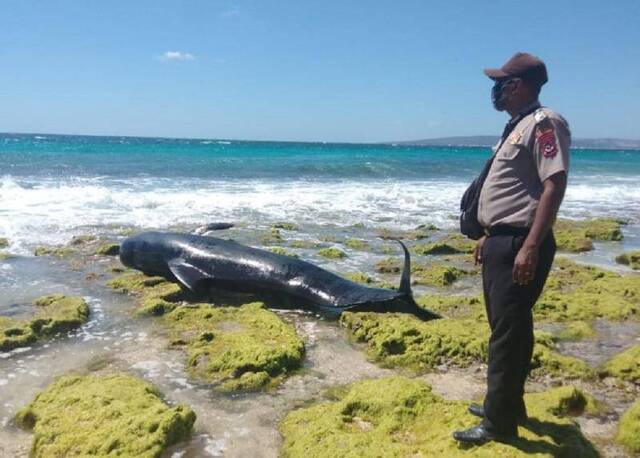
column 629, row 428
column 357, row 244
column 578, row 235
column 401, row 417
column 401, row 340
column 625, row 365
column 285, row 225
column 631, row 259
column 417, row 234
column 82, row 239
column 396, row 339
column 156, row 295
column 547, row 361
column 4, row 255
column 451, row 244
column 332, row 253
column 108, row 249
column 53, row 314
column 579, row 292
column 271, row 237
column 60, row 251
column 283, row 251
column 388, row 266
column 304, row 244
column 455, row 306
column 576, row 330
column 236, row 348
column 360, row 277
column 113, row 415
column 4, row 242
column 435, row 275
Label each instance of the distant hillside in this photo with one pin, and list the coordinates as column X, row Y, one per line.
column 490, row 140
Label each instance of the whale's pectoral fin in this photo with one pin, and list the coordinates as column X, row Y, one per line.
column 187, row 274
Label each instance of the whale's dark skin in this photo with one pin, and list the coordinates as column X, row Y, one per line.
column 200, row 263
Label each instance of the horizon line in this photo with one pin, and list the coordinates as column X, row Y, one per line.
column 394, row 142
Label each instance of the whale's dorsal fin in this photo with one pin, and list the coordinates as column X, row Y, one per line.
column 187, row 274
column 405, row 280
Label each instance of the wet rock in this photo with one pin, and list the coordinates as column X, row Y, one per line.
column 82, row 239
column 283, row 252
column 304, row 244
column 402, row 417
column 578, row 292
column 59, row 251
column 388, row 266
column 625, row 365
column 4, row 255
column 212, row 227
column 271, row 237
column 577, row 330
column 435, row 275
column 108, row 249
column 360, row 277
column 401, row 340
column 631, row 259
column 52, row 314
column 285, row 225
column 629, row 428
column 578, row 235
column 103, row 416
column 450, row 244
column 332, row 253
column 235, row 348
column 547, row 361
column 357, row 244
column 156, row 296
column 455, row 306
column 4, row 242
column 421, row 232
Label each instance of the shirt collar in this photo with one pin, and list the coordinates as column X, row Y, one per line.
column 530, row 107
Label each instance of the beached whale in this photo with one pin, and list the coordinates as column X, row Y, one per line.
column 201, row 263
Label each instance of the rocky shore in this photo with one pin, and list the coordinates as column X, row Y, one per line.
column 154, row 371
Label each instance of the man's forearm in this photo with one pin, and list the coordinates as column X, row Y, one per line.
column 552, row 194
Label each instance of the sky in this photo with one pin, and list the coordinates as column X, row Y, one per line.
column 326, row 70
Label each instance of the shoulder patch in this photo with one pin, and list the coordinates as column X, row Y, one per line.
column 546, row 139
column 539, row 115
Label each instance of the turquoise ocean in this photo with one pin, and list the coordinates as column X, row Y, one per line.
column 53, row 187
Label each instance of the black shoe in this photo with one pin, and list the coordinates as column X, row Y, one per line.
column 478, row 411
column 479, row 435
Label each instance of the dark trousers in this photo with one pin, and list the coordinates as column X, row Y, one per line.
column 510, row 318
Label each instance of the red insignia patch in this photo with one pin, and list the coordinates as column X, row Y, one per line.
column 547, row 143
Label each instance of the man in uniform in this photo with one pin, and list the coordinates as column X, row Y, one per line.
column 517, row 207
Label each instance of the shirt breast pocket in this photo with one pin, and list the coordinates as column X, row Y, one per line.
column 509, row 152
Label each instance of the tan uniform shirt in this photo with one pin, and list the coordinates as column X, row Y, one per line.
column 536, row 149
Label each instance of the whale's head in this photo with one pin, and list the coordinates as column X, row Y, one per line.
column 146, row 252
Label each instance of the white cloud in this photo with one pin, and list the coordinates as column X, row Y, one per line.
column 176, row 56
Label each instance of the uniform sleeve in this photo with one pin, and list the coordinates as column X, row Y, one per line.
column 551, row 147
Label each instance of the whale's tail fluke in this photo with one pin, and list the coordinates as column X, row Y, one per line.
column 405, row 288
column 405, row 279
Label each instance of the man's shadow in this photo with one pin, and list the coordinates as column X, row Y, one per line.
column 568, row 440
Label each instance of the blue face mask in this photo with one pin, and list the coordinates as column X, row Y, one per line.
column 500, row 93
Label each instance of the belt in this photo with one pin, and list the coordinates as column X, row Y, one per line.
column 503, row 229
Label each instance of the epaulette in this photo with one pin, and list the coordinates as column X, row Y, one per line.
column 539, row 115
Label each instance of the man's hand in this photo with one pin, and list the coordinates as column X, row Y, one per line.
column 477, row 251
column 524, row 267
